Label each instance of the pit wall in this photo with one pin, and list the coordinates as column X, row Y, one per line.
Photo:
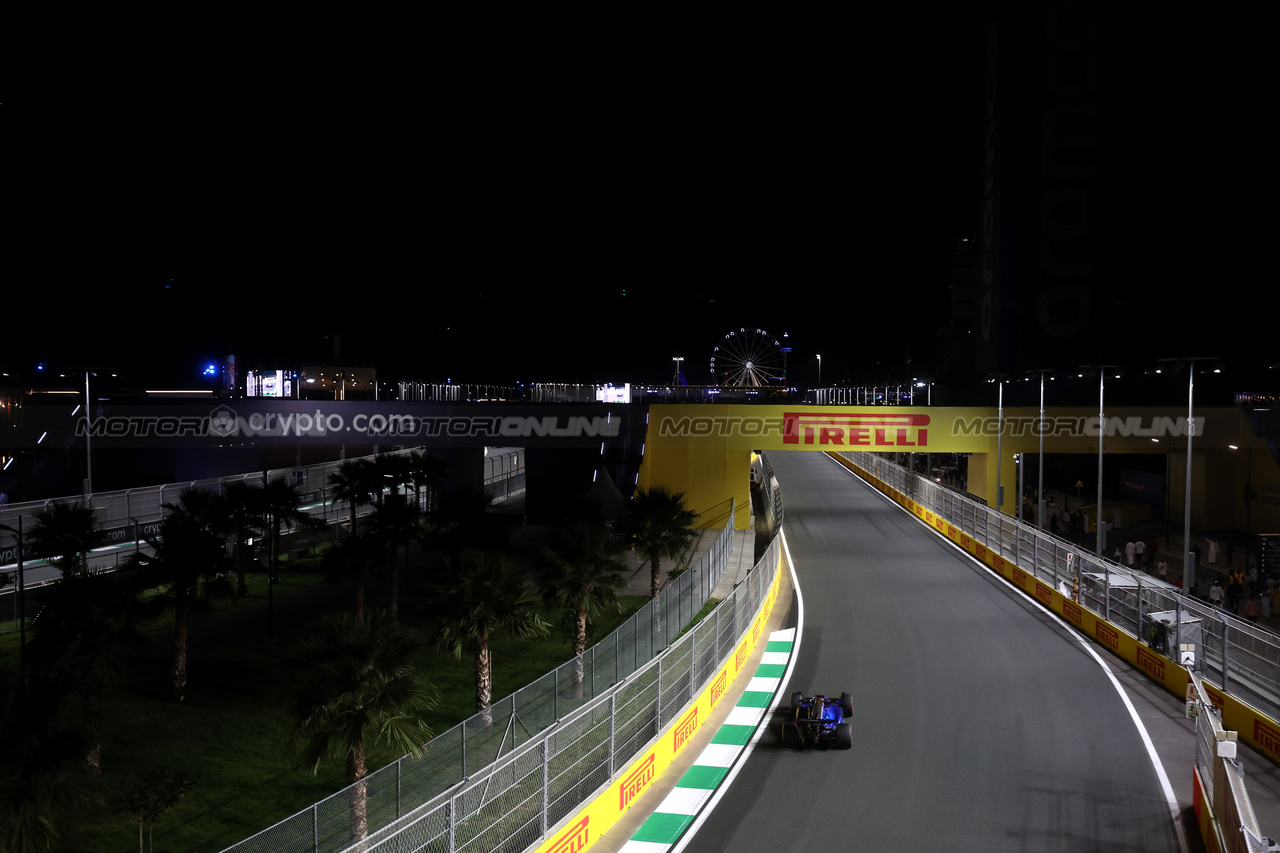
column 579, row 832
column 1253, row 727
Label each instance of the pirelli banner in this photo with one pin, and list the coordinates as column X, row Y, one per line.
column 919, row 429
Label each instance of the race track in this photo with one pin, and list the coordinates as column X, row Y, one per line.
column 981, row 723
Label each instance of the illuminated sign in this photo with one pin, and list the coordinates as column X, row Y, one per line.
column 837, row 430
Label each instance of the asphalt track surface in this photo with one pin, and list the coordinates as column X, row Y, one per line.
column 981, row 723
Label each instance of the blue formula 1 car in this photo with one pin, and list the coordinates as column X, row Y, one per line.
column 820, row 721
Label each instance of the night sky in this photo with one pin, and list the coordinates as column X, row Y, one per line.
column 479, row 204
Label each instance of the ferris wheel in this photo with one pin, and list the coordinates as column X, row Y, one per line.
column 748, row 358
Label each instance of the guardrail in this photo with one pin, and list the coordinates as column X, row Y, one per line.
column 1221, row 799
column 474, row 781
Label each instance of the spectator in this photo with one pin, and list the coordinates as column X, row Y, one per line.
column 1215, row 593
column 1251, row 608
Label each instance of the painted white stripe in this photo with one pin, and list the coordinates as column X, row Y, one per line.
column 779, row 658
column 644, row 847
column 719, row 755
column 684, row 800
column 763, row 685
column 744, row 716
column 786, row 634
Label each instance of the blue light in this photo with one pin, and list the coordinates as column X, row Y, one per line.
column 211, row 370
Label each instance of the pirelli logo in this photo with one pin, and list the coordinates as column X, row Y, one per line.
column 1108, row 636
column 1019, row 577
column 966, row 541
column 636, row 781
column 574, row 839
column 1267, row 738
column 719, row 686
column 740, row 657
column 684, row 730
column 1045, row 594
column 1073, row 613
column 854, row 430
column 1151, row 663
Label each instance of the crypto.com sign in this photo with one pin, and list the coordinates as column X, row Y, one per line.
column 353, row 423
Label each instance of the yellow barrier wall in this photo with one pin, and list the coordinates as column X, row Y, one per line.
column 585, row 827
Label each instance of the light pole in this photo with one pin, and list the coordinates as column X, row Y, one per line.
column 819, row 377
column 1040, row 502
column 1102, row 431
column 999, row 378
column 1188, row 566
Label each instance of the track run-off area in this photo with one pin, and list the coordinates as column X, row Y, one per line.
column 982, row 721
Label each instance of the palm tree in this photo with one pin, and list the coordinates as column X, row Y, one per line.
column 353, row 482
column 280, row 508
column 583, row 570
column 353, row 558
column 660, row 527
column 427, row 472
column 359, row 688
column 482, row 593
column 244, row 504
column 187, row 564
column 83, row 623
column 395, row 522
column 64, row 535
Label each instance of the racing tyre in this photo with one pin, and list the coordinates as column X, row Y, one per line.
column 796, row 699
column 847, row 702
column 844, row 736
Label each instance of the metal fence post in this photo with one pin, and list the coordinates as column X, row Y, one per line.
column 613, row 733
column 546, row 786
column 658, row 712
column 1226, row 647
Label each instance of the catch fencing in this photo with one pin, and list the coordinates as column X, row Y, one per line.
column 498, row 781
column 1229, row 652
